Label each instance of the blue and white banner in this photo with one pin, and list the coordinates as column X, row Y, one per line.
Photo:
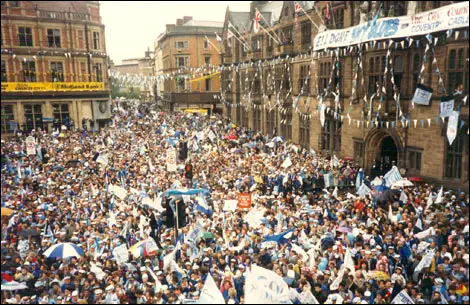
column 264, row 286
column 452, row 16
column 402, row 298
column 392, row 176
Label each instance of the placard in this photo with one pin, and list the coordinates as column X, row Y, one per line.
column 422, row 95
column 446, row 107
column 30, row 145
column 171, row 159
column 244, row 201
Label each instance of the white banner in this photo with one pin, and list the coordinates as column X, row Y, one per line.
column 306, row 297
column 363, row 191
column 230, row 205
column 171, row 159
column 102, row 159
column 392, row 176
column 264, row 286
column 452, row 126
column 287, row 163
column 210, row 294
column 422, row 95
column 121, row 254
column 30, row 145
column 446, row 108
column 402, row 298
column 452, row 16
column 322, row 114
column 118, row 191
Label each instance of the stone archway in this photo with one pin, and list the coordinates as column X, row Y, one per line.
column 384, row 149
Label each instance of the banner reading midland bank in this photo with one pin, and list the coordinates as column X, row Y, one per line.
column 42, row 87
column 441, row 19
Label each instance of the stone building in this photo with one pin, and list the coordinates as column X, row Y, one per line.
column 54, row 65
column 278, row 83
column 190, row 51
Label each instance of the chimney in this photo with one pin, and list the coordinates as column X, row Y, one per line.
column 179, row 22
column 187, row 18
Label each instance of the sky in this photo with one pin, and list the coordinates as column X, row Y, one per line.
column 132, row 26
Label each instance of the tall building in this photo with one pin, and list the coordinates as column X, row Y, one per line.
column 190, row 55
column 54, row 65
column 297, row 75
column 142, row 69
column 158, row 69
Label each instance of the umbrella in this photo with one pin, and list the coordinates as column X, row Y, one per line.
column 28, row 232
column 208, row 235
column 13, row 286
column 231, row 137
column 415, row 179
column 63, row 250
column 402, row 183
column 144, row 248
column 344, row 229
column 7, row 211
column 278, row 139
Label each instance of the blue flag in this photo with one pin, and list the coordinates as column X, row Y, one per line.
column 281, row 238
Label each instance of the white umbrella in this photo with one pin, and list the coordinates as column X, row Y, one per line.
column 402, row 183
column 13, row 286
column 63, row 250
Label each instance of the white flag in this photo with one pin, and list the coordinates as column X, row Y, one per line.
column 210, row 294
column 306, row 297
column 287, row 163
column 429, row 202
column 264, row 286
column 452, row 126
column 403, row 197
column 439, row 196
column 335, row 192
column 322, row 114
column 402, row 298
column 300, row 251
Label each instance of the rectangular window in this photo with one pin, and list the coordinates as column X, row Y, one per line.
column 270, row 122
column 306, row 35
column 358, row 151
column 417, row 62
column 454, row 156
column 207, row 60
column 182, row 61
column 61, row 113
column 53, row 38
column 96, row 41
column 304, row 132
column 324, row 76
column 457, row 73
column 98, row 72
column 57, row 71
column 286, row 35
column 33, row 116
column 208, row 84
column 7, row 117
column 304, row 79
column 257, row 44
column 25, row 36
column 376, row 70
column 414, row 159
column 206, row 45
column 4, row 71
column 29, row 71
column 181, row 45
column 81, row 44
column 286, row 127
column 331, row 135
column 244, row 121
column 83, row 72
column 257, row 119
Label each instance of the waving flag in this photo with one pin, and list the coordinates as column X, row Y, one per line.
column 281, row 238
column 210, row 294
column 229, row 37
column 298, row 8
column 256, row 25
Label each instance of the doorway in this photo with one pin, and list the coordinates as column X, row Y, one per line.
column 388, row 155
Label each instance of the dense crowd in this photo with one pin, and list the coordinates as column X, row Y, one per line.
column 301, row 226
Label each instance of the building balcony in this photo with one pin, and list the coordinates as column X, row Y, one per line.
column 287, row 48
column 257, row 54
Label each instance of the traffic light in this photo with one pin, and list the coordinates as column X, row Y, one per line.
column 188, row 171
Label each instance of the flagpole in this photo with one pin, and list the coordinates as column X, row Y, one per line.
column 246, row 45
column 274, row 32
column 269, row 34
column 319, row 15
column 311, row 20
column 212, row 45
column 241, row 36
column 332, row 13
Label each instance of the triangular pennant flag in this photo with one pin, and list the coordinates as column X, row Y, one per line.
column 429, row 122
